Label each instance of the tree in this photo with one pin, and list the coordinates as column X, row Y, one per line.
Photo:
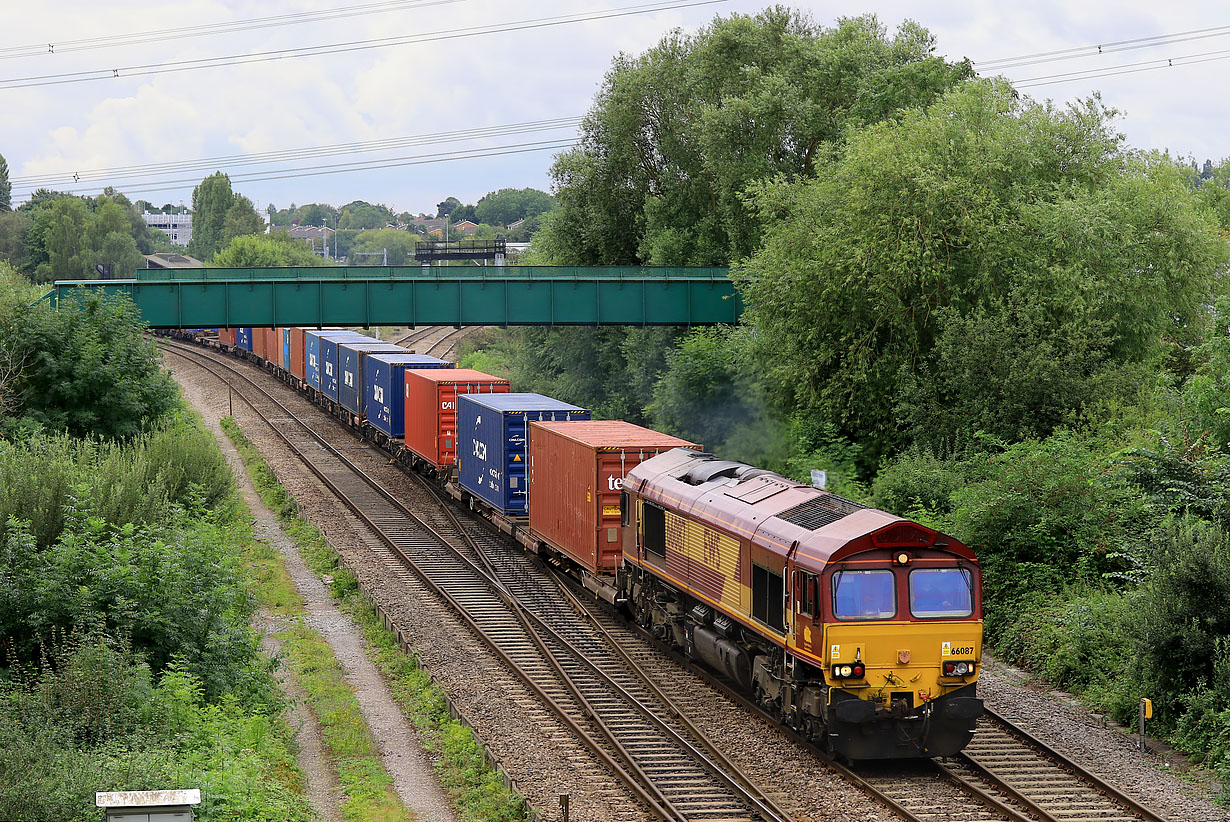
column 445, row 208
column 89, row 369
column 677, row 134
column 68, row 249
column 318, row 214
column 400, row 246
column 211, row 200
column 112, row 241
column 267, row 251
column 499, row 208
column 241, row 220
column 987, row 263
column 361, row 215
column 6, row 188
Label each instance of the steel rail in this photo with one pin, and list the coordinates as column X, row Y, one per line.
column 962, row 782
column 739, row 786
column 1044, row 802
column 646, row 796
column 715, row 759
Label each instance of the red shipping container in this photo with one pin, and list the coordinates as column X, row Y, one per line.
column 431, row 408
column 258, row 342
column 576, row 474
column 296, row 353
column 273, row 345
column 226, row 336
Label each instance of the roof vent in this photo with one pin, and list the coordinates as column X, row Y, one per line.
column 819, row 511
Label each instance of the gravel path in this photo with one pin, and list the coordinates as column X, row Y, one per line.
column 537, row 750
column 397, row 740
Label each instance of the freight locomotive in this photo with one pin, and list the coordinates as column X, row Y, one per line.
column 860, row 629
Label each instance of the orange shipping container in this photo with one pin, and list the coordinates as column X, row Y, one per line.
column 296, row 353
column 576, row 474
column 431, row 408
column 226, row 336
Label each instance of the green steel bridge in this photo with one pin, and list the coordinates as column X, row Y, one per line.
column 422, row 295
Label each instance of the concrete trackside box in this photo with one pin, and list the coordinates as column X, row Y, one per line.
column 431, row 408
column 577, row 472
column 351, row 357
column 330, row 360
column 492, row 456
column 384, row 388
column 243, row 338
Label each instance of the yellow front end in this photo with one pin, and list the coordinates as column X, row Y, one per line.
column 904, row 660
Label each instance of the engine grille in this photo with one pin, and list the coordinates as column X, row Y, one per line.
column 820, row 511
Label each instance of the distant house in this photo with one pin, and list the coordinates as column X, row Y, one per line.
column 465, row 227
column 516, row 224
column 166, row 260
column 318, row 237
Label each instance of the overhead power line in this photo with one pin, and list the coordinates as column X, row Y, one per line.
column 211, row 29
column 350, row 46
column 1097, row 49
column 1126, row 68
column 421, row 159
column 119, row 176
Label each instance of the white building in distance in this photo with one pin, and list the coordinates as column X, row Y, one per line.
column 176, row 226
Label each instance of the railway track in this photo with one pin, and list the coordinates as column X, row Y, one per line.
column 1004, row 774
column 667, row 764
column 609, row 683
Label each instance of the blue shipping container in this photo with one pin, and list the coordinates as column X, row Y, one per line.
column 312, row 370
column 286, row 350
column 491, row 443
column 384, row 384
column 330, row 360
column 243, row 338
column 350, row 360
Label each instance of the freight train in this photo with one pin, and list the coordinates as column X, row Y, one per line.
column 858, row 628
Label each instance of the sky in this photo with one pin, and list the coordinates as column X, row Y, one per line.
column 422, row 75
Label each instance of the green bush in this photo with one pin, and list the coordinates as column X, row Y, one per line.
column 86, row 368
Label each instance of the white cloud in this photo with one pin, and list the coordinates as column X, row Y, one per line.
column 489, row 80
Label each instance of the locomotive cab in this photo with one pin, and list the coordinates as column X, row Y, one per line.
column 902, row 644
column 858, row 628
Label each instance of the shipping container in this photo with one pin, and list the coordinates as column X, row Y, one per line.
column 350, row 361
column 258, row 342
column 295, row 353
column 384, row 388
column 226, row 336
column 311, row 354
column 243, row 338
column 273, row 346
column 577, row 472
column 431, row 409
column 492, row 454
column 330, row 372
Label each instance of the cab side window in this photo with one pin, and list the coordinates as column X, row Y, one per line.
column 807, row 594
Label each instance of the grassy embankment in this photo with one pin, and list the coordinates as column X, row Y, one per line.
column 130, row 662
column 476, row 788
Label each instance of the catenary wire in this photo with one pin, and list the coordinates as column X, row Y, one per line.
column 1097, row 49
column 339, row 48
column 426, row 159
column 1131, row 68
column 114, row 174
column 210, row 29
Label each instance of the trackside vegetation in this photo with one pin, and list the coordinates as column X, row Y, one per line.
column 970, row 307
column 128, row 661
column 476, row 788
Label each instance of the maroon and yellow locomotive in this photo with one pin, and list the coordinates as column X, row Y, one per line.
column 859, row 628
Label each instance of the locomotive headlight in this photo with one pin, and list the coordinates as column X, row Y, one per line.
column 902, row 558
column 845, row 670
column 962, row 669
